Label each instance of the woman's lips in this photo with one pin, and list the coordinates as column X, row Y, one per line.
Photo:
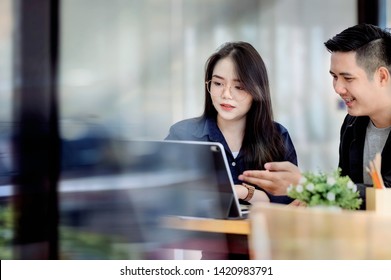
column 227, row 107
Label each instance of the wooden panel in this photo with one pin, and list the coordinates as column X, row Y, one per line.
column 284, row 232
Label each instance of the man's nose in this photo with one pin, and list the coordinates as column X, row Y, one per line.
column 339, row 87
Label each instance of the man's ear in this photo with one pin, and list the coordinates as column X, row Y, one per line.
column 383, row 75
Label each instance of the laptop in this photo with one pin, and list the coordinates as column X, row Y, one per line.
column 125, row 188
column 182, row 178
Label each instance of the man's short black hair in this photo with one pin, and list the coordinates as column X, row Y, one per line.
column 371, row 44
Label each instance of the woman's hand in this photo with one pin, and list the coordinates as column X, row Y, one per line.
column 242, row 191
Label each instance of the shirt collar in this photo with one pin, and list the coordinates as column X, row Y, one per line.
column 212, row 132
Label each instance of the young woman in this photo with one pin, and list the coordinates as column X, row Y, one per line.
column 238, row 114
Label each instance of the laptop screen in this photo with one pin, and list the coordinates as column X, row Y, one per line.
column 182, row 178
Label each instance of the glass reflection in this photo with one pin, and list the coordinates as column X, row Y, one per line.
column 134, row 69
column 119, row 212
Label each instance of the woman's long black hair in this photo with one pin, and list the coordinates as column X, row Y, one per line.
column 262, row 141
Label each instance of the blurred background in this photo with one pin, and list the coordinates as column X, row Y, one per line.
column 126, row 69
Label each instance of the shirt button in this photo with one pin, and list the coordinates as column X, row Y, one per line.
column 233, row 163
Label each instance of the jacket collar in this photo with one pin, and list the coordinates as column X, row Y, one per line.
column 358, row 125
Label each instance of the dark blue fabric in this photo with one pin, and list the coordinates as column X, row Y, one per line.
column 202, row 129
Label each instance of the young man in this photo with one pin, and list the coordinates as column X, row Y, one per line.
column 361, row 71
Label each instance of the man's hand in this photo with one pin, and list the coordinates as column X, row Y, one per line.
column 277, row 177
column 297, row 203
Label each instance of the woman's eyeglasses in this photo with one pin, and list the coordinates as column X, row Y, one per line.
column 216, row 88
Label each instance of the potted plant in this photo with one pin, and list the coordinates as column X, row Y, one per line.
column 326, row 189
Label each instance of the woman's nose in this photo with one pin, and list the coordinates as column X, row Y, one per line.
column 227, row 92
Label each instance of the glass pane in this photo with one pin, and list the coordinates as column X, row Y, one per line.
column 136, row 67
column 388, row 13
column 6, row 232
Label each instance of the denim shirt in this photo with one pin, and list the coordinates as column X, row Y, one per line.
column 206, row 129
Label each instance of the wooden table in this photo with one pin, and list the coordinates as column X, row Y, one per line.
column 217, row 239
column 241, row 227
